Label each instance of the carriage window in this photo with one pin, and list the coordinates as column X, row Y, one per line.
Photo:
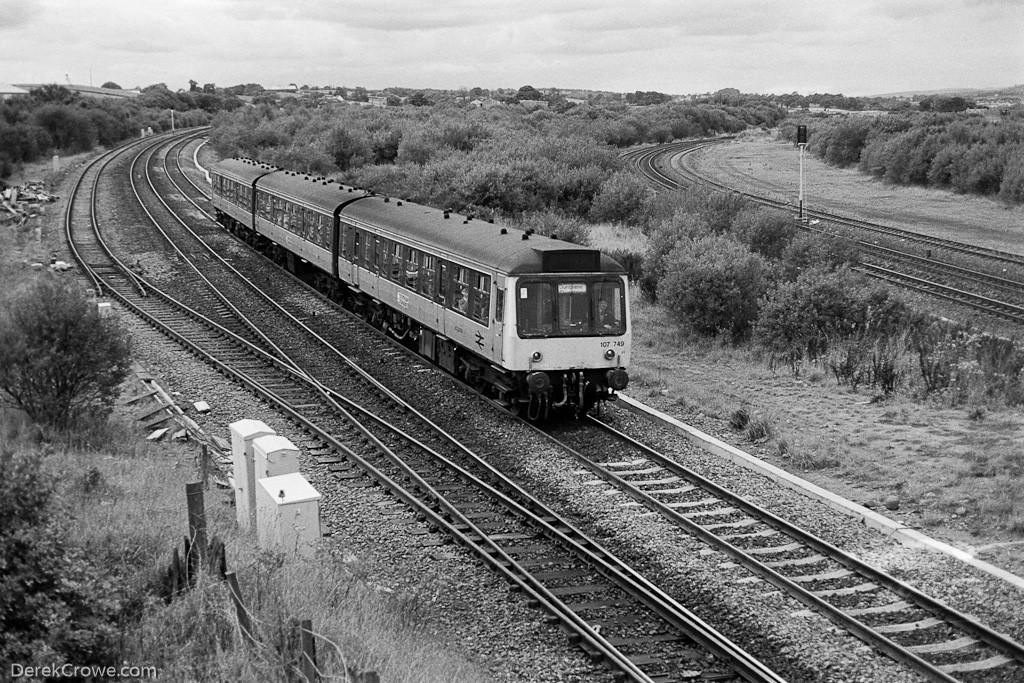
column 357, row 242
column 460, row 289
column 263, row 206
column 378, row 251
column 397, row 263
column 412, row 268
column 427, row 277
column 441, row 296
column 481, row 297
column 368, row 241
column 499, row 306
column 278, row 206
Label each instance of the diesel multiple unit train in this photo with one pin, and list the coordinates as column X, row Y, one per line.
column 537, row 323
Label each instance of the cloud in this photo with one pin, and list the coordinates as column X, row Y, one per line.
column 15, row 14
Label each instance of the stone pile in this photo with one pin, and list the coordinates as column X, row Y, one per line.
column 19, row 203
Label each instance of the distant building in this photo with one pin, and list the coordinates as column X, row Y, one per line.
column 485, row 103
column 378, row 100
column 534, row 104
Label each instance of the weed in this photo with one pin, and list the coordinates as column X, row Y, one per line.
column 760, row 429
column 821, row 456
column 739, row 419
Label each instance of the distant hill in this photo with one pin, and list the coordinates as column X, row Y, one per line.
column 968, row 92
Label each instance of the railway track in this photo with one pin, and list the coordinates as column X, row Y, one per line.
column 889, row 615
column 360, row 432
column 971, row 287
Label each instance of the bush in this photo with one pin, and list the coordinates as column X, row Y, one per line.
column 49, row 608
column 663, row 239
column 821, row 251
column 765, row 231
column 714, row 284
column 623, row 198
column 59, row 360
column 806, row 317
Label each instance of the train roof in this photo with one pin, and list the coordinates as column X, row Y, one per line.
column 242, row 170
column 504, row 248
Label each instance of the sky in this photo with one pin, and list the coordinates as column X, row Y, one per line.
column 853, row 47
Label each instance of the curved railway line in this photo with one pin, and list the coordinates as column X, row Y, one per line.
column 362, row 433
column 995, row 295
column 358, row 430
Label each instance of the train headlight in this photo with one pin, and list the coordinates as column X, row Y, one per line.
column 536, row 356
column 609, row 354
column 617, row 379
column 539, row 382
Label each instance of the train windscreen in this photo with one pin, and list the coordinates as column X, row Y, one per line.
column 571, row 308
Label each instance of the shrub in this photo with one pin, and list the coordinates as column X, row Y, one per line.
column 822, row 251
column 714, row 284
column 806, row 317
column 49, row 608
column 965, row 366
column 848, row 361
column 765, row 231
column 59, row 360
column 663, row 239
column 623, row 198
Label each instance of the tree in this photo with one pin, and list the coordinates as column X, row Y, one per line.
column 418, row 99
column 110, row 85
column 528, row 92
column 193, row 85
column 59, row 360
column 53, row 93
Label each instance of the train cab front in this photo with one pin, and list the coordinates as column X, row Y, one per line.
column 572, row 341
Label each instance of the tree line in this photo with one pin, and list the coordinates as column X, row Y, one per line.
column 501, row 161
column 967, row 153
column 54, row 119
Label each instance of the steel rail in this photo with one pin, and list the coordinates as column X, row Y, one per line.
column 993, row 639
column 612, row 654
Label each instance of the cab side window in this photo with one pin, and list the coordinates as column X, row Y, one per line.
column 535, row 309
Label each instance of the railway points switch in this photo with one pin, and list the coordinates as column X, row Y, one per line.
column 243, row 433
column 287, row 514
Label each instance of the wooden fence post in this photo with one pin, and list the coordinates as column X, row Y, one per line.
column 240, row 612
column 204, row 466
column 307, row 657
column 196, row 520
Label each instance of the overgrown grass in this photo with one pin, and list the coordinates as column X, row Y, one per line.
column 121, row 506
